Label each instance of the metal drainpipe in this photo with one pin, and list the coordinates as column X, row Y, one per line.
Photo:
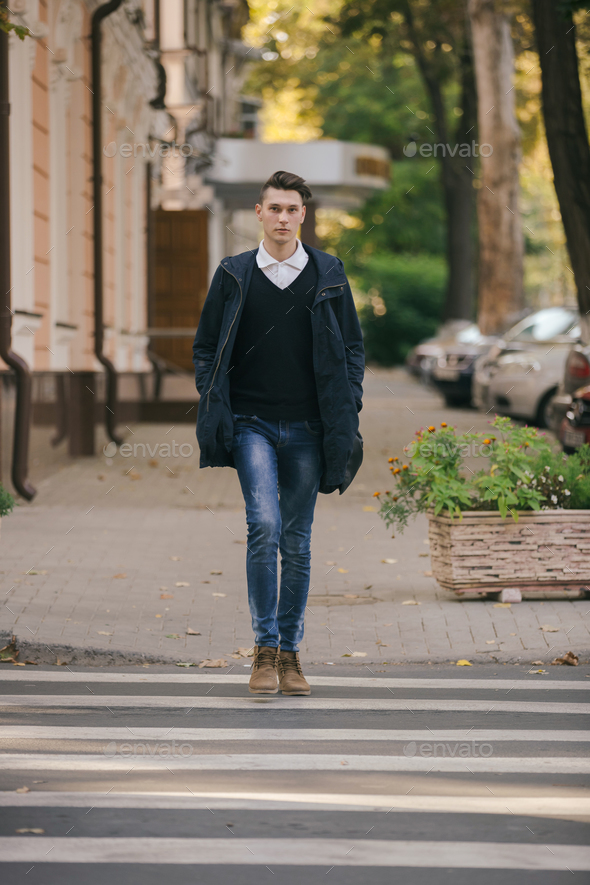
column 22, row 418
column 111, row 402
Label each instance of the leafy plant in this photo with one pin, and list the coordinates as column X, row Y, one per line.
column 7, row 26
column 403, row 304
column 523, row 473
column 6, row 501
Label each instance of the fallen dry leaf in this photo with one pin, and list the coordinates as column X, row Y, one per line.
column 351, row 596
column 424, row 554
column 41, row 571
column 539, row 671
column 219, row 594
column 464, row 663
column 219, row 663
column 355, row 654
column 103, row 633
column 537, row 663
column 172, row 636
column 490, row 641
column 166, row 596
column 152, row 462
column 134, row 475
column 329, row 562
column 158, row 616
column 182, row 584
column 549, row 628
column 36, row 830
column 239, row 542
column 205, row 582
column 185, row 664
column 369, row 509
column 427, row 574
column 23, row 790
column 411, row 602
column 367, row 586
column 120, row 575
column 389, row 561
column 343, row 571
column 568, row 658
column 191, row 632
column 215, row 571
column 175, row 558
column 502, row 604
column 9, row 653
column 245, row 652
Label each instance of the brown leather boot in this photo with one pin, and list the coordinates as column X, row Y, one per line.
column 263, row 679
column 291, row 678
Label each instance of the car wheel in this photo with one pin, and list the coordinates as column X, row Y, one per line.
column 542, row 417
column 454, row 401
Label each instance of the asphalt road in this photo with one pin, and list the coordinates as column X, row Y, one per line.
column 421, row 775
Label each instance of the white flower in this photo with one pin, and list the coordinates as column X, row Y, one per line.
column 567, row 492
column 560, row 478
column 554, row 498
column 547, row 468
column 534, row 482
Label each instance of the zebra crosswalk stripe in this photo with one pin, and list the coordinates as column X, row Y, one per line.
column 291, row 703
column 296, row 852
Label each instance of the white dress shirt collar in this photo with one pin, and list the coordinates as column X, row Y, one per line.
column 297, row 260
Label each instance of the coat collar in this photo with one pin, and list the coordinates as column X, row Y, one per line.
column 330, row 269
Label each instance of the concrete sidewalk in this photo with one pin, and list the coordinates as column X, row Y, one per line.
column 124, row 554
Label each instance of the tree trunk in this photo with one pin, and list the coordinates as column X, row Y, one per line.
column 455, row 176
column 500, row 225
column 567, row 140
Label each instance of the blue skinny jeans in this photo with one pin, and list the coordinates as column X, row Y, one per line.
column 279, row 464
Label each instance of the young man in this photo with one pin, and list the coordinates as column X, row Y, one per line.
column 279, row 363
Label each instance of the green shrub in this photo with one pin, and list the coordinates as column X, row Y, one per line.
column 402, row 305
column 6, row 501
column 523, row 473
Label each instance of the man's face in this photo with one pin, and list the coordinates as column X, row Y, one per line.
column 281, row 213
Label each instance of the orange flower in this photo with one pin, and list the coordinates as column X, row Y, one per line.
column 389, row 460
column 443, row 423
column 396, row 459
column 395, row 499
column 432, row 428
column 405, row 467
column 487, row 442
column 396, row 470
column 376, row 494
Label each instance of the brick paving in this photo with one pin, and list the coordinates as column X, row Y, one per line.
column 127, row 553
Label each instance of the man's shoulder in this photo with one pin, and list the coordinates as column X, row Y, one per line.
column 231, row 262
column 324, row 260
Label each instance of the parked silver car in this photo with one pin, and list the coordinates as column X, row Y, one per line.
column 522, row 371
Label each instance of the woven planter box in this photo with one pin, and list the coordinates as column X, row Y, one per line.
column 546, row 550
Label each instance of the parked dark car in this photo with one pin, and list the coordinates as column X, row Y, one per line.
column 452, row 371
column 446, row 359
column 576, row 376
column 574, row 429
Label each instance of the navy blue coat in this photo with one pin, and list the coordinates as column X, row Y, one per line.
column 338, row 359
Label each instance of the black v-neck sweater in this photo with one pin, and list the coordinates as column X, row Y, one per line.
column 271, row 370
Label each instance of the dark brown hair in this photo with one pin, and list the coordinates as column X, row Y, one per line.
column 286, row 181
